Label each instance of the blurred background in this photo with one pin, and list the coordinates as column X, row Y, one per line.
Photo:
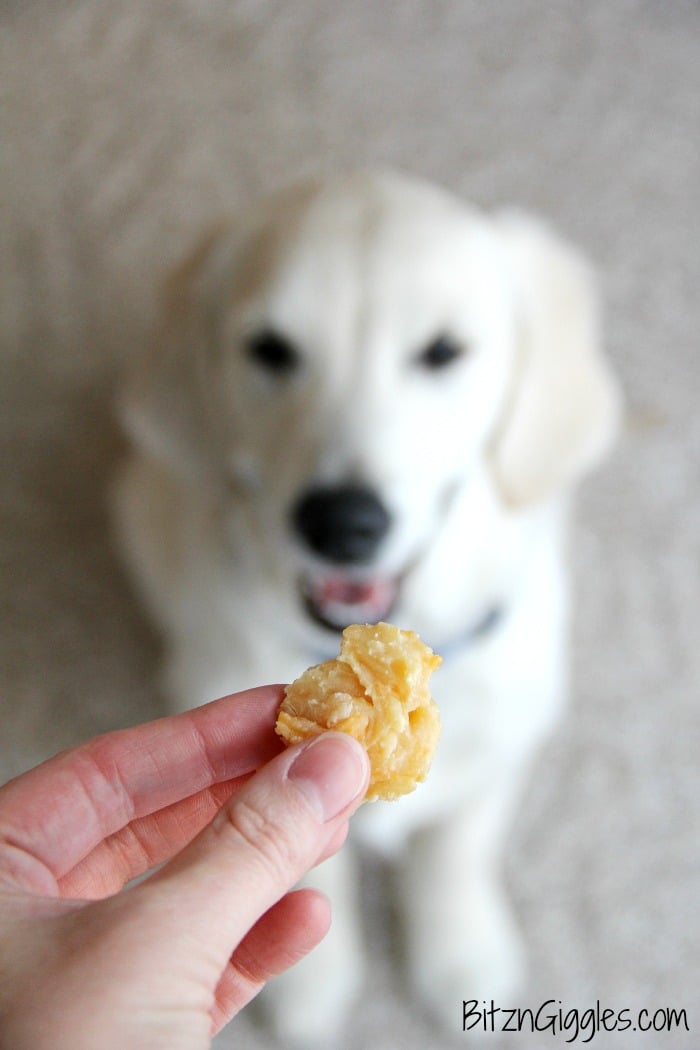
column 128, row 126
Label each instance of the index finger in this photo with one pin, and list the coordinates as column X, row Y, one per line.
column 53, row 816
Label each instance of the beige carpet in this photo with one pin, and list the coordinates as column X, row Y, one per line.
column 126, row 126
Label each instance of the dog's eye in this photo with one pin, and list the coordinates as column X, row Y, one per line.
column 443, row 351
column 272, row 351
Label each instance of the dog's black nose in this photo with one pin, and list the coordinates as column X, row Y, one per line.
column 343, row 524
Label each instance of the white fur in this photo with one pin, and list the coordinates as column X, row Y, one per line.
column 475, row 462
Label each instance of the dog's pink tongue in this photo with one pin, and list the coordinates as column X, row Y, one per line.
column 337, row 599
column 355, row 592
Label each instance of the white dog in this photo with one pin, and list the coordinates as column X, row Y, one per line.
column 370, row 402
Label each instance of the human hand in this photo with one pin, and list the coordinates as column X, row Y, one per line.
column 168, row 961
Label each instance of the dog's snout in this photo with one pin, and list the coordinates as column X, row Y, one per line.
column 343, row 524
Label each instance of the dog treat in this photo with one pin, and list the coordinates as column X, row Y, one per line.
column 377, row 691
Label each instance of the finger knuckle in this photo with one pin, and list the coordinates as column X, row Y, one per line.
column 276, row 850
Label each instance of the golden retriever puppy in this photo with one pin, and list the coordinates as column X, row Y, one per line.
column 368, row 402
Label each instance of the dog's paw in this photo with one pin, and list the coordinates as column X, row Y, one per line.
column 308, row 1005
column 478, row 961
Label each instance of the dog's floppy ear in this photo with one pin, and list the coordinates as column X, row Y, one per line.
column 163, row 406
column 563, row 407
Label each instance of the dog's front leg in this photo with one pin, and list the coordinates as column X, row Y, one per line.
column 462, row 940
column 305, row 1005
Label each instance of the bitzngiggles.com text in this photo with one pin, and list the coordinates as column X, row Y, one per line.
column 574, row 1024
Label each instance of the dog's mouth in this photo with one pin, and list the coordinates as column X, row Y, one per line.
column 335, row 599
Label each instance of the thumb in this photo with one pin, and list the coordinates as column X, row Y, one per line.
column 269, row 834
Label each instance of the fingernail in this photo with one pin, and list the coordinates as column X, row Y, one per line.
column 330, row 772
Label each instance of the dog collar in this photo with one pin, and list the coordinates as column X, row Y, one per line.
column 476, row 632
